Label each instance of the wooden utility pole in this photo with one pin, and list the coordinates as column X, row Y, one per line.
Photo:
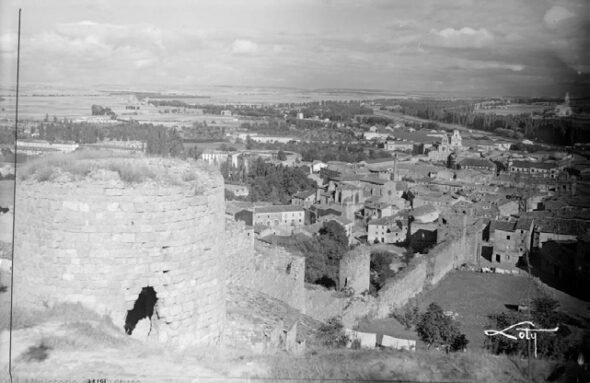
column 14, row 199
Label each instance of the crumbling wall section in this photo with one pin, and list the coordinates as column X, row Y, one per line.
column 355, row 269
column 280, row 275
column 323, row 304
column 423, row 271
column 99, row 241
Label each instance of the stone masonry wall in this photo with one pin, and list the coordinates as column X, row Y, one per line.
column 256, row 265
column 423, row 271
column 354, row 270
column 402, row 287
column 99, row 241
column 238, row 251
column 280, row 275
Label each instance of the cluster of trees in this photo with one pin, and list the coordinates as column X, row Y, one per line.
column 322, row 253
column 334, row 110
column 269, row 182
column 342, row 151
column 201, row 132
column 462, row 112
column 98, row 110
column 543, row 314
column 159, row 139
column 308, row 130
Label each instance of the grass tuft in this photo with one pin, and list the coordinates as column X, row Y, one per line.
column 79, row 165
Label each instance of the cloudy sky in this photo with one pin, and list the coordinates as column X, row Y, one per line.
column 500, row 47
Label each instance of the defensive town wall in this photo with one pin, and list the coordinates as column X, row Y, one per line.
column 422, row 272
column 354, row 271
column 266, row 268
column 100, row 241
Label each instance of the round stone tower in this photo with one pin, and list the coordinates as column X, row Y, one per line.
column 132, row 238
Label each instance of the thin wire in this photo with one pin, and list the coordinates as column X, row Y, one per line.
column 14, row 201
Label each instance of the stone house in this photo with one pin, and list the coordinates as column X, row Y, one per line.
column 511, row 240
column 345, row 223
column 374, row 209
column 477, row 164
column 304, row 199
column 506, row 207
column 273, row 216
column 557, row 229
column 387, row 230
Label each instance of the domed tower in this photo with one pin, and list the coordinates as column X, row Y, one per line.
column 456, row 139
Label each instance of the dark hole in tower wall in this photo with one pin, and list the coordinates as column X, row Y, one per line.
column 143, row 308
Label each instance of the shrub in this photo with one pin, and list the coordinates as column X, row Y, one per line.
column 437, row 329
column 331, row 334
column 407, row 316
column 380, row 269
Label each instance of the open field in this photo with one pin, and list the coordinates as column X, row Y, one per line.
column 36, row 102
column 471, row 295
column 515, row 109
column 475, row 295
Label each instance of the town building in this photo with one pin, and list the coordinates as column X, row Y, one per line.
column 40, row 147
column 558, row 229
column 456, row 140
column 131, row 146
column 237, row 190
column 399, row 146
column 346, row 224
column 477, row 164
column 441, row 151
column 387, row 230
column 375, row 209
column 273, row 216
column 510, row 240
column 304, row 199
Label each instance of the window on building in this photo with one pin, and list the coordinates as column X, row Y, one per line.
column 498, row 258
column 507, row 257
column 507, row 237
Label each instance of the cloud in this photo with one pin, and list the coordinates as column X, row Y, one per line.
column 465, row 37
column 556, row 15
column 488, row 65
column 244, row 48
column 8, row 43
